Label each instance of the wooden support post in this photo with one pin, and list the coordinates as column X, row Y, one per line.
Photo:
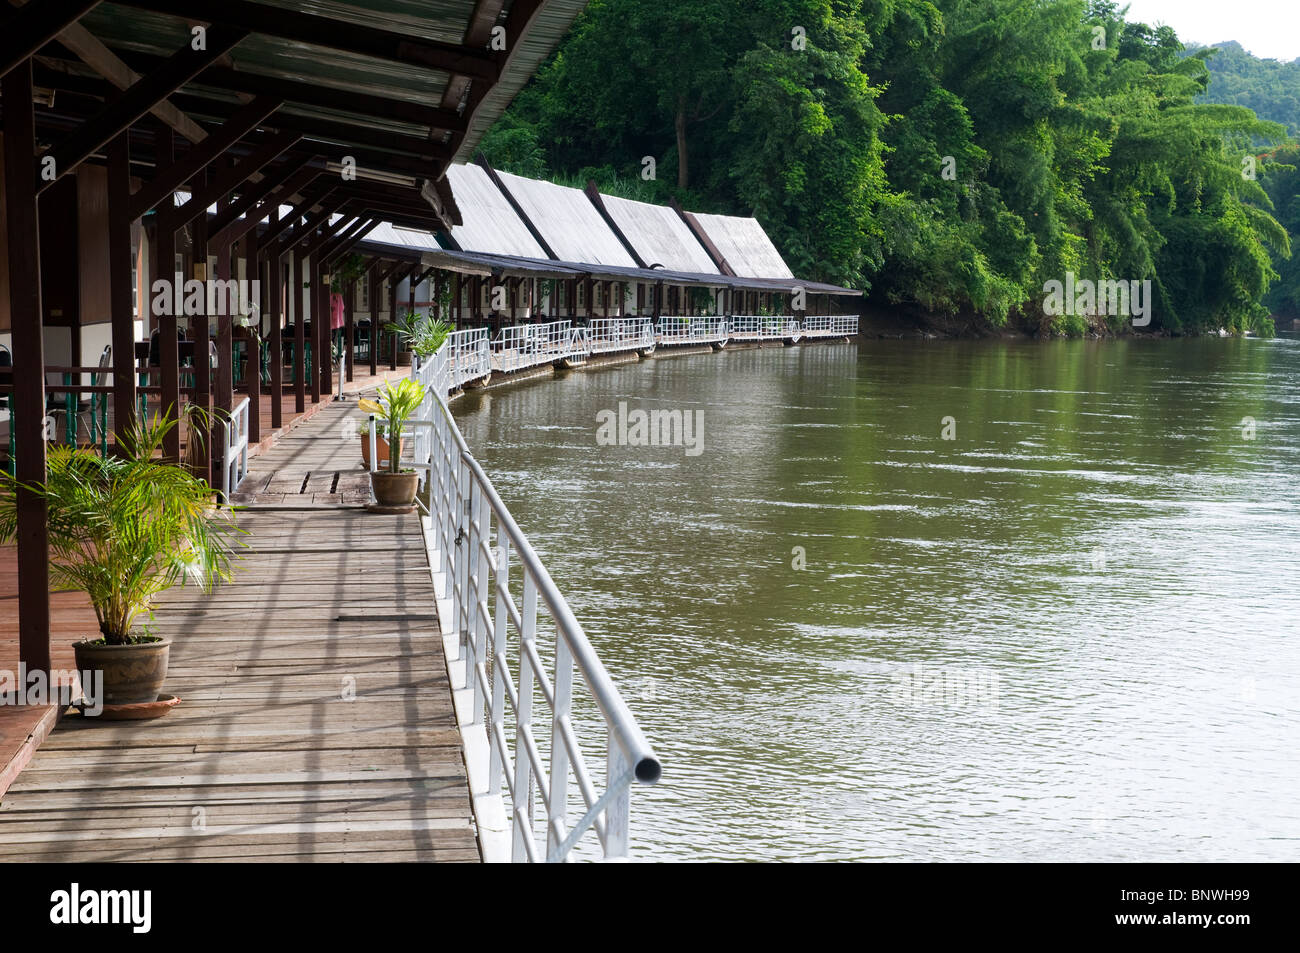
column 121, row 318
column 326, row 375
column 373, row 281
column 169, row 359
column 318, row 321
column 223, row 386
column 27, row 402
column 275, row 297
column 202, row 367
column 253, row 368
column 349, row 326
column 392, row 345
column 299, row 334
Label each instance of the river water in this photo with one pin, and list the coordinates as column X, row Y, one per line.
column 1069, row 632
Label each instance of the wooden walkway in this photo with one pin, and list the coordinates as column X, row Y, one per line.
column 316, row 720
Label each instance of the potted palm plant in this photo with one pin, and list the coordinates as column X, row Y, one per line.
column 420, row 335
column 397, row 402
column 124, row 529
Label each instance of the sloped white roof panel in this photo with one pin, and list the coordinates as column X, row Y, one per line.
column 388, row 234
column 745, row 246
column 491, row 225
column 659, row 236
column 568, row 221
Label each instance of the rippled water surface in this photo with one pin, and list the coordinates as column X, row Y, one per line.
column 1070, row 633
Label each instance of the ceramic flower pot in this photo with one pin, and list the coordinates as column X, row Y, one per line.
column 133, row 674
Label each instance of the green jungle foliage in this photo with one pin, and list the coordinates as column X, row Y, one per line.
column 946, row 156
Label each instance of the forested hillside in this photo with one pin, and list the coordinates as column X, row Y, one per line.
column 1270, row 88
column 949, row 156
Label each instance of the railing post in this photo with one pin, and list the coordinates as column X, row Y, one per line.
column 557, row 802
column 500, row 639
column 478, row 625
column 466, row 537
column 620, row 808
column 523, row 814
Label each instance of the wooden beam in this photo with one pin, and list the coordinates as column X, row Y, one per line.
column 227, row 178
column 294, row 174
column 102, row 60
column 348, row 37
column 27, row 407
column 168, row 180
column 314, row 94
column 348, row 136
column 133, row 103
column 29, row 29
column 310, row 199
column 344, row 243
column 477, row 35
column 597, row 200
column 514, row 204
column 702, row 237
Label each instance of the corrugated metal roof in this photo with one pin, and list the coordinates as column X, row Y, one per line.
column 447, row 21
column 659, row 235
column 491, row 225
column 544, row 33
column 568, row 222
column 745, row 246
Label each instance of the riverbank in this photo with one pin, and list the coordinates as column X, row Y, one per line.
column 905, row 322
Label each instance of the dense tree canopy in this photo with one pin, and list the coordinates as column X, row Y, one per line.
column 954, row 156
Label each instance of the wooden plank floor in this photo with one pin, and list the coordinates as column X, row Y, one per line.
column 316, row 720
column 24, row 727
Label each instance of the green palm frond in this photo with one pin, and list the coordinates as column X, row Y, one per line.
column 124, row 529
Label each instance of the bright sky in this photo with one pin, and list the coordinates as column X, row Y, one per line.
column 1268, row 28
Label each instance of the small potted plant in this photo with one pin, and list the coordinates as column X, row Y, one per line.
column 381, row 444
column 421, row 335
column 124, row 529
column 398, row 401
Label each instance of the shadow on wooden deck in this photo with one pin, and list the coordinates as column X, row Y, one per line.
column 316, row 720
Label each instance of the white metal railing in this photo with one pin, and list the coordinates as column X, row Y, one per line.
column 609, row 335
column 504, row 658
column 234, row 452
column 528, row 345
column 688, row 330
column 831, row 325
column 764, row 327
column 469, row 355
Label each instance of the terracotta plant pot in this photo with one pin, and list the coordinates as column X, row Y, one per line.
column 133, row 674
column 382, row 444
column 394, row 489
